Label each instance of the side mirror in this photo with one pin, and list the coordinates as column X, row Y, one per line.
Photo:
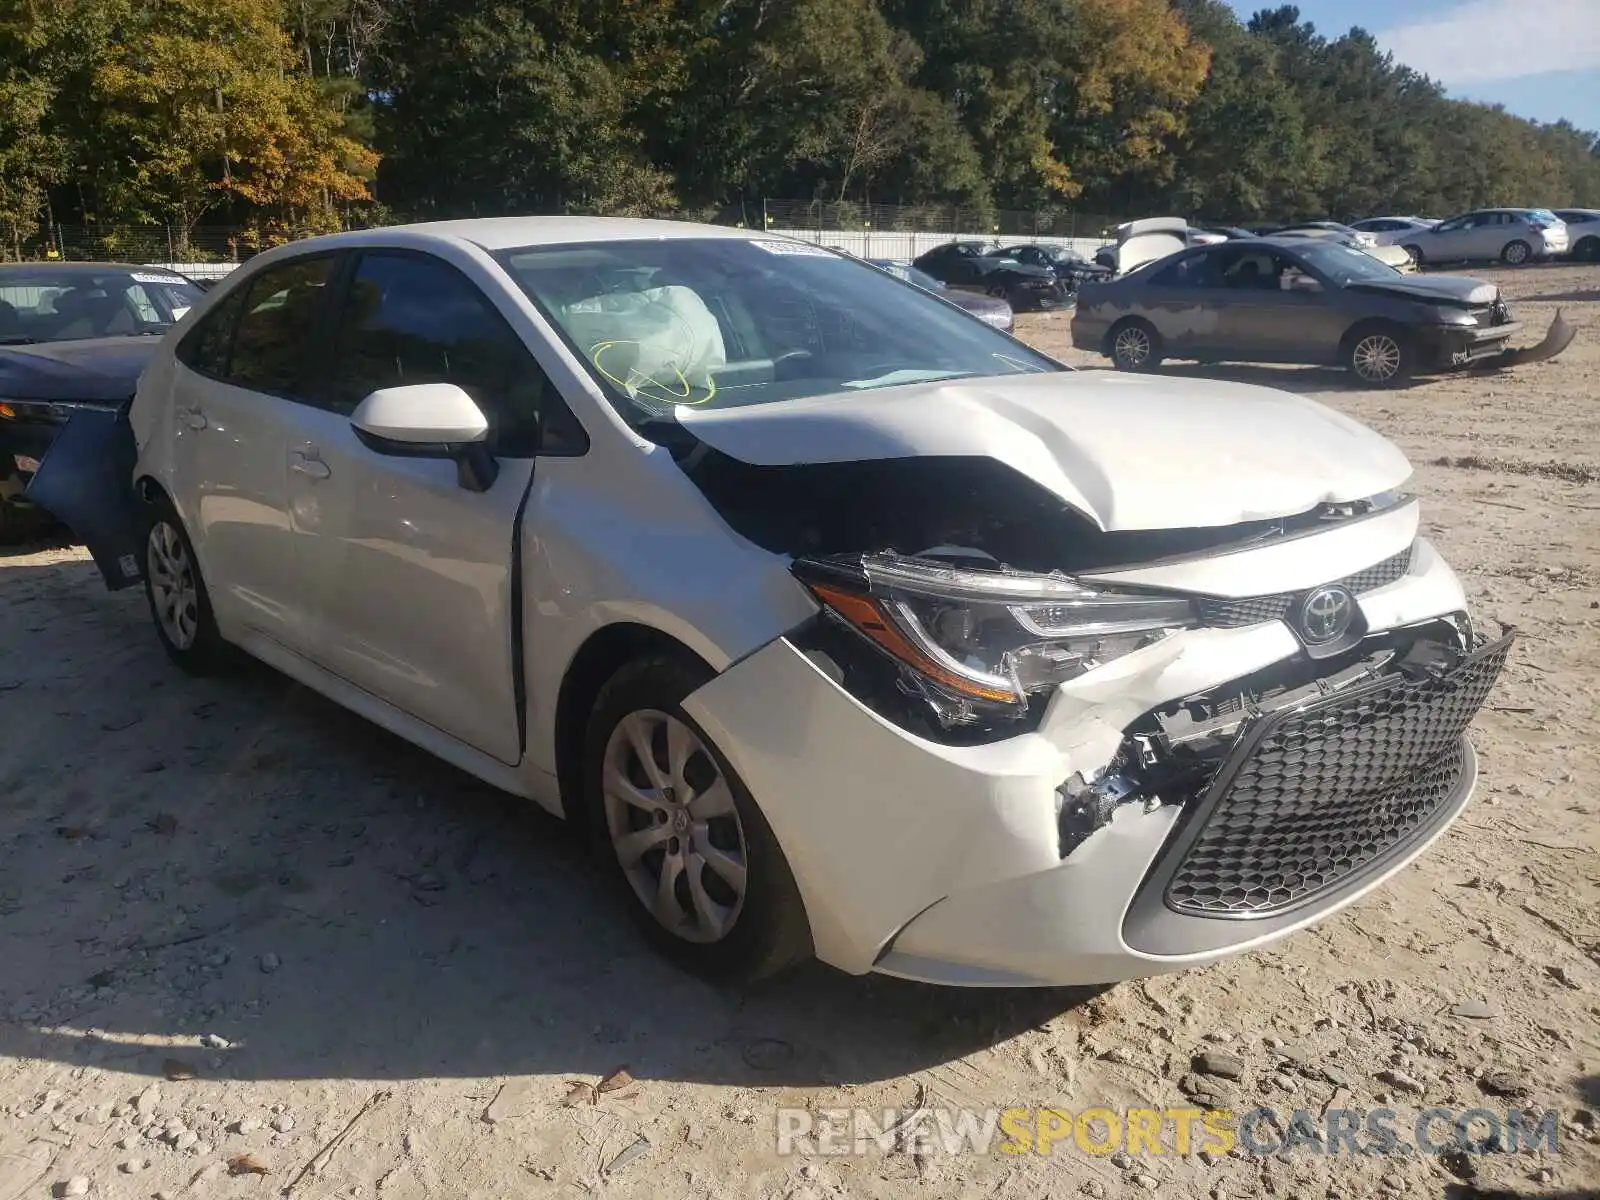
column 429, row 420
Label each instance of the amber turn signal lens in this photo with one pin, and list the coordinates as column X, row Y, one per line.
column 863, row 613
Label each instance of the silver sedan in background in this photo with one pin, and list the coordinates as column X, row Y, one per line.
column 1512, row 235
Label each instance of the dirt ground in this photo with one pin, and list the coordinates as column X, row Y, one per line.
column 380, row 978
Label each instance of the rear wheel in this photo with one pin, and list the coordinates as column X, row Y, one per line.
column 1587, row 250
column 1135, row 346
column 1516, row 253
column 1379, row 356
column 1416, row 254
column 698, row 867
column 179, row 602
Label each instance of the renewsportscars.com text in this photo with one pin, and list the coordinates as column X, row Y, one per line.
column 1102, row 1131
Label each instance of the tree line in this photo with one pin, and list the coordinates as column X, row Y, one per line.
column 294, row 115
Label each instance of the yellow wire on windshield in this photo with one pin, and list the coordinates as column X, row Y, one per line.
column 637, row 381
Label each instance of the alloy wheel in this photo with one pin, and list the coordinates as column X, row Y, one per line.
column 1132, row 346
column 1516, row 253
column 673, row 826
column 1376, row 358
column 172, row 585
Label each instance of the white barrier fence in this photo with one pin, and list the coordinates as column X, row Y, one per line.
column 862, row 243
column 907, row 246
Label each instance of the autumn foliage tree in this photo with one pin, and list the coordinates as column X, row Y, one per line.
column 289, row 115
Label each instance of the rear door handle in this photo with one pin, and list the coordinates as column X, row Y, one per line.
column 314, row 467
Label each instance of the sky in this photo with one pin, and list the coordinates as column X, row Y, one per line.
column 1539, row 58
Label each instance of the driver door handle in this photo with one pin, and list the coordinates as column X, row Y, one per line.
column 314, row 467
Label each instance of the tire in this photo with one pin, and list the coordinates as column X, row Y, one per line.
column 721, row 933
column 1587, row 250
column 1516, row 253
column 1134, row 345
column 1379, row 356
column 1416, row 254
column 180, row 605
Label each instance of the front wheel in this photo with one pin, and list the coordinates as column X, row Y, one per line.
column 698, row 867
column 1516, row 253
column 1380, row 357
column 179, row 602
column 1587, row 250
column 1416, row 254
column 1135, row 346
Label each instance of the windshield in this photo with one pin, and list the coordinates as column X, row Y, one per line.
column 56, row 304
column 1344, row 265
column 724, row 322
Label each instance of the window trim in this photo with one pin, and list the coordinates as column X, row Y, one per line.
column 333, row 325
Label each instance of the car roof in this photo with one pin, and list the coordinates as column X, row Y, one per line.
column 86, row 268
column 507, row 233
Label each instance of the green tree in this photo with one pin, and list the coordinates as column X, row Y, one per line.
column 488, row 106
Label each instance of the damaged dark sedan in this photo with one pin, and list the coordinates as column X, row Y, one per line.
column 73, row 336
column 1282, row 300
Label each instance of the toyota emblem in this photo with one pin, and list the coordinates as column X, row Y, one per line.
column 1325, row 614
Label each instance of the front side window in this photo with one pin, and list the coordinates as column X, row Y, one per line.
column 276, row 327
column 721, row 322
column 411, row 319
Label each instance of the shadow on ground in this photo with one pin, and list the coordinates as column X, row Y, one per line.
column 1303, row 380
column 168, row 838
column 1576, row 295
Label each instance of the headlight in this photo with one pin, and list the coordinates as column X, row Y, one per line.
column 979, row 644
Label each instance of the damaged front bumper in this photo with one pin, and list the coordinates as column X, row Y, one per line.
column 1455, row 347
column 1556, row 339
column 961, row 864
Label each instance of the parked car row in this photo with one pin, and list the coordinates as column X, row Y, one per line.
column 1510, row 235
column 1513, row 236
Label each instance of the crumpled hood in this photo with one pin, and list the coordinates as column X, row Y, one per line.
column 1127, row 451
column 1458, row 289
column 91, row 369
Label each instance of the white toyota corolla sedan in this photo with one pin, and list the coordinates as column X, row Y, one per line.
column 848, row 625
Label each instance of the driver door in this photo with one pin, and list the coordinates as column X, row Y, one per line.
column 414, row 574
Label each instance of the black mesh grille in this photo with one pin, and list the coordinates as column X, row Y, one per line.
column 1252, row 610
column 1328, row 790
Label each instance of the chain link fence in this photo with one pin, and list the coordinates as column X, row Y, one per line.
column 948, row 220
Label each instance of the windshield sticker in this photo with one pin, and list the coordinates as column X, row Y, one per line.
column 140, row 277
column 805, row 249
